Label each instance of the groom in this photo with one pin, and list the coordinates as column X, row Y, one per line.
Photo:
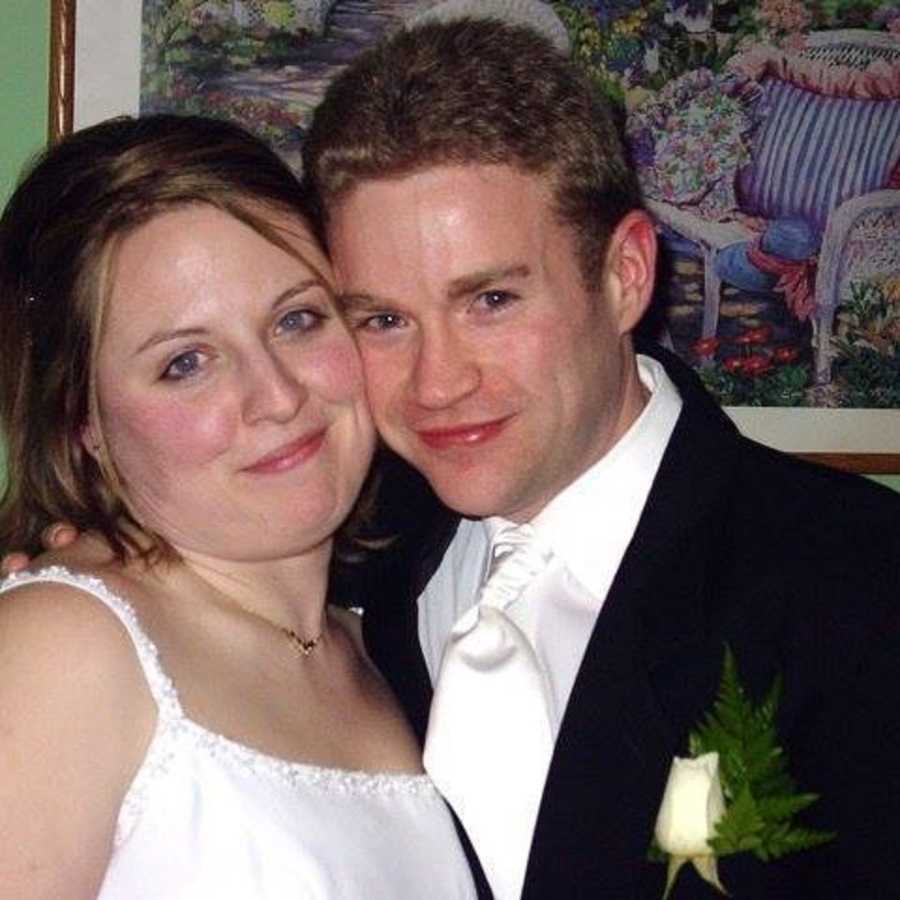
column 494, row 259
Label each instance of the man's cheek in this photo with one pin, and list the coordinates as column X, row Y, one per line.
column 387, row 415
column 337, row 371
column 385, row 420
column 381, row 386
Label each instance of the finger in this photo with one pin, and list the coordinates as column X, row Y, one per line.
column 14, row 562
column 59, row 535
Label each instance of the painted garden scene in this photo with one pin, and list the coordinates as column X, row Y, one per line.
column 766, row 135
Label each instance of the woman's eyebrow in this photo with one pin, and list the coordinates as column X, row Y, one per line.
column 172, row 334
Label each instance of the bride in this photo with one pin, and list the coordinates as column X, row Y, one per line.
column 182, row 714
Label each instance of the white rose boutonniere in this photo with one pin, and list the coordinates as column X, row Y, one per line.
column 692, row 805
column 734, row 793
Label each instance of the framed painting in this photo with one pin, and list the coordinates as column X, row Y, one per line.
column 789, row 313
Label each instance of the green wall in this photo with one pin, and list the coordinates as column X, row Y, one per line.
column 24, row 57
column 24, row 52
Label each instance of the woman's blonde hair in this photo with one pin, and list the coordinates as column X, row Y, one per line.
column 58, row 234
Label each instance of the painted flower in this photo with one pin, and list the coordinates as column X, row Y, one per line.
column 786, row 354
column 762, row 334
column 706, row 346
column 885, row 14
column 757, row 365
column 784, row 16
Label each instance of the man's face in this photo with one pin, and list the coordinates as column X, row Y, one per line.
column 489, row 365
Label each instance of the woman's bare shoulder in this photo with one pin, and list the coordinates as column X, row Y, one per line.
column 56, row 635
column 76, row 717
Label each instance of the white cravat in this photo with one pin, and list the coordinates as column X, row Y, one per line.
column 490, row 737
column 588, row 525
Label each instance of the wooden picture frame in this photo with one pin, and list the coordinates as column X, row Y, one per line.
column 857, row 440
column 62, row 68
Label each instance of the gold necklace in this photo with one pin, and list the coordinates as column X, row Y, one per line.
column 304, row 646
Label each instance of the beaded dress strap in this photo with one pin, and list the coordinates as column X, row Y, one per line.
column 161, row 687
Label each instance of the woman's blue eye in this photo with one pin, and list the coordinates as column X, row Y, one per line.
column 183, row 366
column 300, row 320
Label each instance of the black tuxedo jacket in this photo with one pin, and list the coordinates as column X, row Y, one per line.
column 797, row 568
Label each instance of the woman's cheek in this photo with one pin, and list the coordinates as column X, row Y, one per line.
column 166, row 436
column 338, row 368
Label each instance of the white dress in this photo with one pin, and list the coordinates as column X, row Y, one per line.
column 206, row 817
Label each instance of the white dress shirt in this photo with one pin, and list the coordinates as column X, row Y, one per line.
column 588, row 526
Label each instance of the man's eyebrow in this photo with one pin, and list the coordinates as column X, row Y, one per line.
column 459, row 287
column 172, row 334
column 477, row 281
column 349, row 302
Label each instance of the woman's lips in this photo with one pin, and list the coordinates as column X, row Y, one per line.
column 288, row 455
column 462, row 435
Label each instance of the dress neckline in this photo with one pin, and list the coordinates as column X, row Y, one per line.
column 173, row 720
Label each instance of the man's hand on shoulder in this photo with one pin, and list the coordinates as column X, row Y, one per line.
column 57, row 536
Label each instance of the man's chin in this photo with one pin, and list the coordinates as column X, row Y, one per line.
column 467, row 481
column 474, row 498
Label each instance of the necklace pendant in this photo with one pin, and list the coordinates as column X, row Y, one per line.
column 304, row 646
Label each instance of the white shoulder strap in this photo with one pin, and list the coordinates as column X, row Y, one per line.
column 161, row 687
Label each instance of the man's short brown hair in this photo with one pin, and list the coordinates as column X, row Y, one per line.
column 474, row 91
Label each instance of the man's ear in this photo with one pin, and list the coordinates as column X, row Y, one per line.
column 630, row 272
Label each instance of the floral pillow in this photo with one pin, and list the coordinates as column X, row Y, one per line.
column 691, row 139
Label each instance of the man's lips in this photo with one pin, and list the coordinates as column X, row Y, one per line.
column 288, row 455
column 467, row 435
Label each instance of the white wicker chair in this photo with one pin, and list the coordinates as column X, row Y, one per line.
column 850, row 142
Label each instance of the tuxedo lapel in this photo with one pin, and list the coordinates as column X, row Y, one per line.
column 625, row 721
column 615, row 746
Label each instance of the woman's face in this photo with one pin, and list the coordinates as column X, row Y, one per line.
column 229, row 391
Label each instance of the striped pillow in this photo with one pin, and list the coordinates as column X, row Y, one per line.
column 812, row 152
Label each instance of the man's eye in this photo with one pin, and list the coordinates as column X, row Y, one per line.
column 380, row 322
column 183, row 366
column 493, row 300
column 300, row 320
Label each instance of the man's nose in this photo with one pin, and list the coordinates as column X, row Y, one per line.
column 444, row 371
